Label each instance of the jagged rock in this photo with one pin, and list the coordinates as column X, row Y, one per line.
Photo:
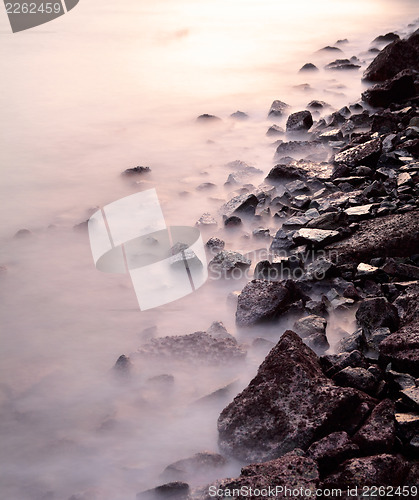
column 361, row 154
column 399, row 55
column 287, row 405
column 407, row 425
column 206, row 220
column 329, row 220
column 215, row 244
column 342, row 64
column 358, row 378
column 377, row 470
column 170, row 491
column 334, row 134
column 197, row 465
column 334, row 363
column 389, row 37
column 300, row 121
column 219, row 331
column 123, row 366
column 232, row 221
column 278, row 108
column 275, row 130
column 262, row 300
column 355, row 214
column 315, row 237
column 309, row 325
column 410, row 397
column 241, row 204
column 377, row 313
column 400, row 381
column 285, row 173
column 198, row 347
column 354, row 342
column 301, row 150
column 378, row 434
column 397, row 89
column 208, row 118
column 309, row 67
column 136, row 171
column 320, row 269
column 282, row 241
column 227, row 261
column 332, row 450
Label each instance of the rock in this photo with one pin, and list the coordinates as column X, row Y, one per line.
column 410, row 397
column 377, row 336
column 291, row 473
column 241, row 176
column 354, row 342
column 282, row 242
column 205, row 185
column 378, row 434
column 389, row 236
column 358, row 378
column 227, row 261
column 334, row 363
column 320, row 269
column 194, row 466
column 274, row 130
column 407, row 425
column 402, row 349
column 232, row 221
column 367, row 154
column 300, row 121
column 198, row 347
column 287, row 405
column 329, row 220
column 278, row 108
column 262, row 300
column 400, row 270
column 123, row 366
column 136, row 171
column 332, row 450
column 308, row 67
column 377, row 313
column 299, row 150
column 397, row 89
column 208, row 118
column 261, row 234
column 328, row 48
column 377, row 470
column 206, row 220
column 219, row 331
column 342, row 64
column 170, row 491
column 24, row 233
column 334, row 134
column 355, row 214
column 309, row 325
column 317, row 104
column 285, row 173
column 399, row 55
column 215, row 244
column 239, row 115
column 389, row 37
column 241, row 204
column 400, row 381
column 315, row 237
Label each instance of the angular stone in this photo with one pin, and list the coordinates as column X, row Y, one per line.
column 377, row 313
column 362, row 154
column 358, row 378
column 287, row 404
column 334, row 363
column 285, row 173
column 401, row 349
column 356, row 214
column 193, row 466
column 226, row 261
column 244, row 203
column 206, row 219
column 309, row 325
column 300, row 121
column 332, row 450
column 278, row 108
column 399, row 88
column 315, row 237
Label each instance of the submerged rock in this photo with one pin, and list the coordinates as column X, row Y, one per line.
column 278, row 108
column 342, row 64
column 287, row 405
column 308, row 67
column 193, row 466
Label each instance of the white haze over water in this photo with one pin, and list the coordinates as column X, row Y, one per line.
column 107, row 87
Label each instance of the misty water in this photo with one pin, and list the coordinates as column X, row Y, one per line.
column 107, row 87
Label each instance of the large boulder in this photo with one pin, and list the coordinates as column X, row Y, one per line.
column 402, row 349
column 367, row 154
column 399, row 55
column 263, row 300
column 289, row 404
column 377, row 312
column 332, row 450
column 397, row 89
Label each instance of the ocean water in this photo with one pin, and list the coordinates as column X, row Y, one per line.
column 104, row 88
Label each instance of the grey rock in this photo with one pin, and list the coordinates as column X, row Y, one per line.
column 241, row 204
column 315, row 237
column 278, row 108
column 377, row 313
column 226, row 261
column 358, row 378
column 299, row 121
column 362, row 154
column 332, row 450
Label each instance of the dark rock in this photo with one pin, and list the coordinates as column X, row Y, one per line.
column 123, row 366
column 233, row 221
column 208, row 118
column 285, row 173
column 241, row 204
column 342, row 64
column 328, row 48
column 309, row 325
column 301, row 150
column 377, row 313
column 215, row 244
column 24, row 233
column 278, row 108
column 239, row 115
column 194, row 466
column 389, row 37
column 275, row 130
column 402, row 349
column 308, row 67
column 219, row 331
column 317, row 104
column 399, row 55
column 136, row 171
column 300, row 121
column 262, row 300
column 358, row 378
column 332, row 450
column 227, row 261
column 170, row 491
column 378, row 434
column 407, row 425
column 334, row 363
column 334, row 134
column 363, row 154
column 329, row 220
column 397, row 89
column 354, row 342
column 282, row 241
column 377, row 470
column 315, row 237
column 198, row 347
column 290, row 403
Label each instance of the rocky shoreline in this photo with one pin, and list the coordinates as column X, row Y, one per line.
column 350, row 225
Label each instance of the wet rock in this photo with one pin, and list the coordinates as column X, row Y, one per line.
column 239, row 115
column 308, row 67
column 377, row 313
column 377, row 470
column 332, row 450
column 275, row 130
column 176, row 490
column 215, row 244
column 358, row 378
column 300, row 121
column 207, row 220
column 342, row 64
column 396, row 57
column 288, row 404
column 315, row 237
column 194, row 466
column 233, row 221
column 136, row 171
column 366, row 154
column 397, row 89
column 241, row 204
column 226, row 261
column 197, row 347
column 262, row 300
column 378, row 434
column 206, row 118
column 278, row 108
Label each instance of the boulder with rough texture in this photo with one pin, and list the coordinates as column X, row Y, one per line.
column 377, row 312
column 378, row 434
column 285, row 173
column 315, row 237
column 190, row 467
column 358, row 378
column 366, row 154
column 402, row 349
column 263, row 300
column 313, row 330
column 278, row 108
column 241, row 204
column 299, row 121
column 332, row 450
column 289, row 404
column 397, row 89
column 227, row 261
